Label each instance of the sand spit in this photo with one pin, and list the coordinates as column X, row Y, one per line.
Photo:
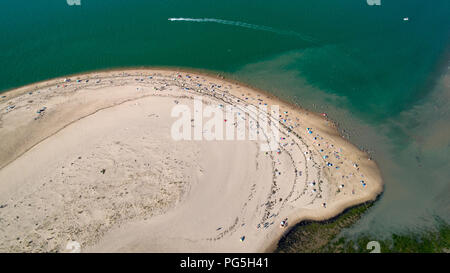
column 91, row 159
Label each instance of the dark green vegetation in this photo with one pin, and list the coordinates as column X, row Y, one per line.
column 378, row 76
column 322, row 237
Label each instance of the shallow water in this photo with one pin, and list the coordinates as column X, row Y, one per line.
column 379, row 76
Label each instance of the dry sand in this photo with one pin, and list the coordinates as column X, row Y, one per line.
column 99, row 166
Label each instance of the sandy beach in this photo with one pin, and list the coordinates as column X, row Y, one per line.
column 90, row 158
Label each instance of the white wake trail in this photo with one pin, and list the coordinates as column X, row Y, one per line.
column 246, row 25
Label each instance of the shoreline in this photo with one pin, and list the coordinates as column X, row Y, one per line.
column 332, row 130
column 50, row 82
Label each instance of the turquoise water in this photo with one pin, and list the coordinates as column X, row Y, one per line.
column 380, row 77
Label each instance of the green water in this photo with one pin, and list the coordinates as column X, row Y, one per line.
column 380, row 77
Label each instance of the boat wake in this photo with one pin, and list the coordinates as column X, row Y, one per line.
column 247, row 25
